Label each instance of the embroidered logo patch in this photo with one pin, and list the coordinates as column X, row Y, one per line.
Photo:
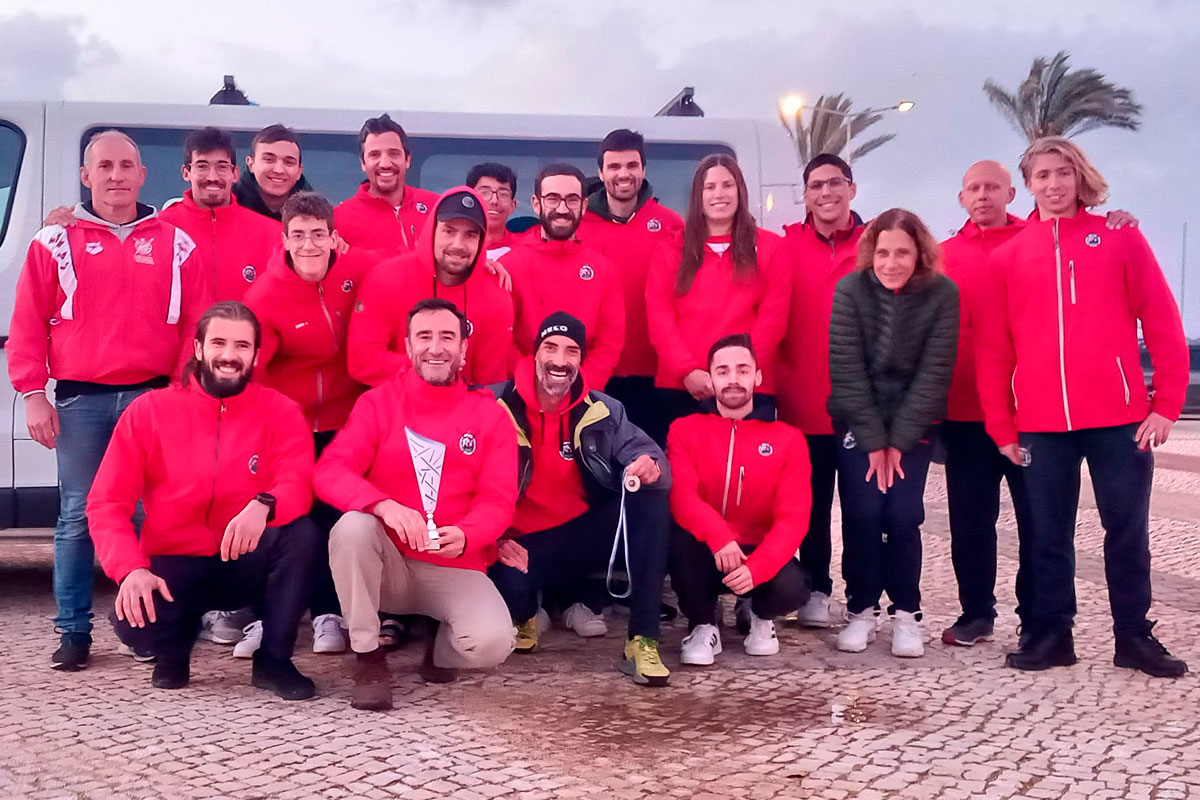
column 765, row 449
column 1026, row 457
column 653, row 225
column 347, row 286
column 94, row 248
column 1092, row 240
column 249, row 273
column 848, row 441
column 467, row 443
column 422, row 208
column 253, row 464
column 470, row 328
column 468, row 201
column 586, row 272
column 143, row 250
column 567, row 452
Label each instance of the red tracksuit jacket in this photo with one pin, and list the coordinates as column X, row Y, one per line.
column 684, row 328
column 569, row 276
column 234, row 243
column 965, row 260
column 819, row 263
column 369, row 461
column 195, row 462
column 631, row 247
column 1057, row 346
column 304, row 326
column 374, row 224
column 394, row 286
column 744, row 481
column 90, row 307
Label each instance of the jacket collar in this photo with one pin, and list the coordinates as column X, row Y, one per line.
column 424, row 398
column 598, row 203
column 972, row 231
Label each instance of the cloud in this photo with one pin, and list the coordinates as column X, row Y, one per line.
column 42, row 54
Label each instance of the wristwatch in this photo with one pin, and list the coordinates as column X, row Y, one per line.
column 268, row 500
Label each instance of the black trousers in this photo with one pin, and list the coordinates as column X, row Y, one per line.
column 642, row 404
column 697, row 583
column 881, row 533
column 275, row 577
column 1121, row 479
column 974, row 470
column 816, row 549
column 562, row 558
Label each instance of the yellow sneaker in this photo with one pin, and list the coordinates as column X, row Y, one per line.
column 642, row 662
column 527, row 636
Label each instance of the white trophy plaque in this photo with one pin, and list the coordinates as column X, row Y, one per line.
column 428, row 457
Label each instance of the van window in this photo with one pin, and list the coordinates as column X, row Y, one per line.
column 12, row 149
column 332, row 166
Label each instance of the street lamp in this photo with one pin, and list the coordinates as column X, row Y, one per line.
column 792, row 107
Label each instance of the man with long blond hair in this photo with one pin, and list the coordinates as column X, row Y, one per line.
column 1060, row 380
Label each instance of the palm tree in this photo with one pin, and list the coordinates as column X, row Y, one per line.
column 1056, row 101
column 832, row 128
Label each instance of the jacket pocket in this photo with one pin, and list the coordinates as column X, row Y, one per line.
column 1124, row 380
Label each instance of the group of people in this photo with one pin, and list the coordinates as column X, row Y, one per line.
column 398, row 408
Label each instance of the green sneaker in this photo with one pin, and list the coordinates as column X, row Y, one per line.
column 642, row 662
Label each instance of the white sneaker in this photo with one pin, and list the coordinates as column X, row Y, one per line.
column 250, row 642
column 906, row 635
column 814, row 613
column 761, row 641
column 859, row 631
column 327, row 634
column 701, row 646
column 584, row 621
column 220, row 627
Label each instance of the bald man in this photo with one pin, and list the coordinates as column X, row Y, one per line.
column 974, row 466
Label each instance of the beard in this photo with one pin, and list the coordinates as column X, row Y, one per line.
column 554, row 385
column 220, row 386
column 443, row 375
column 734, row 397
column 556, row 230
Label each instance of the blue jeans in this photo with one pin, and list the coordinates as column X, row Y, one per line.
column 86, row 423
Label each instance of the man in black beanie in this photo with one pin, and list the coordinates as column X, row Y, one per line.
column 594, row 494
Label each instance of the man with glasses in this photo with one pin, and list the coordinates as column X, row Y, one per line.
column 497, row 185
column 554, row 271
column 823, row 247
column 233, row 242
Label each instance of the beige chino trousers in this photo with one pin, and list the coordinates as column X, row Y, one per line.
column 371, row 576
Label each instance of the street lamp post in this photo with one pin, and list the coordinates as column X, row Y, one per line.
column 792, row 107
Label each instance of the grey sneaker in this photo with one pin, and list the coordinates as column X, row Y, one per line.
column 968, row 632
column 221, row 627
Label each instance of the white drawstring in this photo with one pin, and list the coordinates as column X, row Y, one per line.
column 629, row 483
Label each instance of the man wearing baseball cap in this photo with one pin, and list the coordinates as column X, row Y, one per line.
column 592, row 485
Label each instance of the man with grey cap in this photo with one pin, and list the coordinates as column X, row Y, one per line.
column 449, row 262
column 592, row 486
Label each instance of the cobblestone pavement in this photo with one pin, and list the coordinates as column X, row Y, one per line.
column 561, row 723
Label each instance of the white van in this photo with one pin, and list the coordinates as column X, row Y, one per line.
column 41, row 146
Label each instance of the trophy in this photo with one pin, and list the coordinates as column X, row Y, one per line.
column 428, row 457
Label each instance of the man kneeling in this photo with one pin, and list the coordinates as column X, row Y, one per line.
column 223, row 468
column 741, row 501
column 426, row 471
column 576, row 449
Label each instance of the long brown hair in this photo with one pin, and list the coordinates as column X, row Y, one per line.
column 1089, row 183
column 743, row 247
column 929, row 252
column 226, row 309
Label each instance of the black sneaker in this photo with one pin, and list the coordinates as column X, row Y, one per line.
column 72, row 653
column 136, row 653
column 1043, row 650
column 1147, row 654
column 281, row 677
column 968, row 632
column 171, row 674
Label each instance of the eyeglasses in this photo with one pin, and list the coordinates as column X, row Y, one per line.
column 204, row 167
column 833, row 183
column 318, row 238
column 503, row 195
column 553, row 201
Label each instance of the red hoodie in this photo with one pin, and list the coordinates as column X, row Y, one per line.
column 569, row 276
column 819, row 263
column 555, row 493
column 631, row 246
column 965, row 259
column 744, row 481
column 370, row 461
column 90, row 307
column 683, row 329
column 394, row 286
column 304, row 326
column 234, row 243
column 195, row 462
column 1057, row 346
column 372, row 223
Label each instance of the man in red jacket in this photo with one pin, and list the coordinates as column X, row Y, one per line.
column 386, row 214
column 448, row 262
column 223, row 468
column 106, row 306
column 497, row 185
column 274, row 172
column 740, row 501
column 626, row 223
column 422, row 452
column 1060, row 380
column 553, row 271
column 234, row 243
column 824, row 248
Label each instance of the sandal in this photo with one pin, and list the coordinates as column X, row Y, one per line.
column 391, row 634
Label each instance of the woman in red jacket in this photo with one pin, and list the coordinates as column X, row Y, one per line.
column 725, row 275
column 1060, row 380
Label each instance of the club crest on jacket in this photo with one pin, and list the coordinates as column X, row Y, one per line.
column 347, row 286
column 567, row 451
column 466, row 443
column 94, row 248
column 765, row 449
column 143, row 250
column 1092, row 240
column 848, row 441
column 253, row 465
column 653, row 225
column 586, row 272
column 422, row 208
column 249, row 273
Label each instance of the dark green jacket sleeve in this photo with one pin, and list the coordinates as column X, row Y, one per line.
column 851, row 398
column 925, row 401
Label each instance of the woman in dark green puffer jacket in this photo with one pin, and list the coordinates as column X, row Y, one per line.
column 892, row 342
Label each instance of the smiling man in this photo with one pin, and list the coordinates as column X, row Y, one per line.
column 274, row 171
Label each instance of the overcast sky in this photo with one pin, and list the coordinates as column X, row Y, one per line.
column 624, row 57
